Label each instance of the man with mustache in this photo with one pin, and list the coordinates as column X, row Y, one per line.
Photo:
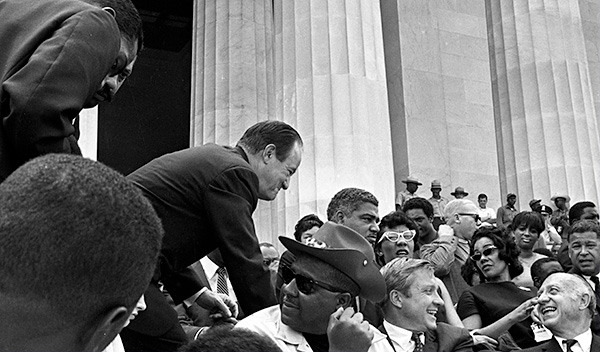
column 59, row 57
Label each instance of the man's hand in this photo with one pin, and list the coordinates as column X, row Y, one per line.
column 220, row 306
column 348, row 332
column 484, row 340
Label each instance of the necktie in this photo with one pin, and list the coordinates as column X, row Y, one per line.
column 571, row 342
column 416, row 337
column 222, row 281
column 596, row 282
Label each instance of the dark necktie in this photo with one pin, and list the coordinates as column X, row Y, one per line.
column 571, row 342
column 222, row 281
column 417, row 339
column 596, row 282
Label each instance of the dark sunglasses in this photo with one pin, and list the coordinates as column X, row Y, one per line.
column 475, row 217
column 487, row 252
column 396, row 237
column 305, row 285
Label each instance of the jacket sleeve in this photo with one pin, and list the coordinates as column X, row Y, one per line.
column 440, row 253
column 231, row 199
column 49, row 91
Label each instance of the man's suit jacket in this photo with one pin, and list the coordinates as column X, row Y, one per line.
column 553, row 346
column 205, row 197
column 54, row 55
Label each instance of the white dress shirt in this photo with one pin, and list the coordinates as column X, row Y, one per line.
column 584, row 342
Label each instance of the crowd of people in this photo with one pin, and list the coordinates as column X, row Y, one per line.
column 167, row 258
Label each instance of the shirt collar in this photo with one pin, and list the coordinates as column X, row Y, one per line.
column 401, row 336
column 584, row 340
column 291, row 336
column 210, row 268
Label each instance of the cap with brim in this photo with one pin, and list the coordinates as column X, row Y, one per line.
column 411, row 179
column 545, row 209
column 459, row 190
column 511, row 195
column 534, row 201
column 566, row 197
column 348, row 252
column 435, row 184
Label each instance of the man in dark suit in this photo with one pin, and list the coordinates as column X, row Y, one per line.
column 566, row 304
column 57, row 58
column 584, row 251
column 205, row 197
column 409, row 311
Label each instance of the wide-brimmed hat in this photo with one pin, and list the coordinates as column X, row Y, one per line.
column 348, row 252
column 534, row 201
column 561, row 195
column 436, row 184
column 459, row 190
column 411, row 179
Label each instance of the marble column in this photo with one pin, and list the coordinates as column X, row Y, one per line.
column 330, row 83
column 546, row 122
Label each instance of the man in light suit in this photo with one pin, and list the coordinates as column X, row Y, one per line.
column 409, row 311
column 566, row 304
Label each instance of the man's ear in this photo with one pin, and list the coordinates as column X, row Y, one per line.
column 396, row 298
column 110, row 10
column 107, row 328
column 339, row 217
column 343, row 300
column 456, row 218
column 269, row 153
column 584, row 302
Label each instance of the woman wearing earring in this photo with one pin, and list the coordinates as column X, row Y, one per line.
column 498, row 305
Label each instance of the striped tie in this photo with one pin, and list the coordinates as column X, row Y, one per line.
column 222, row 281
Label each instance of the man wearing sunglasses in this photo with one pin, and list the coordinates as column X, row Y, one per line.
column 317, row 310
column 450, row 251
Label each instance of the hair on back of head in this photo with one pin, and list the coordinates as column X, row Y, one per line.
column 348, row 200
column 226, row 339
column 128, row 19
column 278, row 133
column 582, row 226
column 398, row 275
column 76, row 236
column 419, row 203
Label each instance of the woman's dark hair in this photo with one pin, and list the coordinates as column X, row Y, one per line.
column 306, row 223
column 507, row 249
column 531, row 219
column 391, row 220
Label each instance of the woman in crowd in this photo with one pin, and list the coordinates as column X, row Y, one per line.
column 526, row 229
column 306, row 227
column 497, row 305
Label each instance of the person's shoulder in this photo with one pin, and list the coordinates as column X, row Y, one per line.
column 267, row 316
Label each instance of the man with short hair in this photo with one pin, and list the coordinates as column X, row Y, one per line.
column 205, row 197
column 584, row 251
column 507, row 212
column 320, row 289
column 412, row 184
column 420, row 211
column 450, row 251
column 357, row 209
column 579, row 211
column 565, row 306
column 78, row 246
column 409, row 311
column 488, row 215
column 59, row 57
column 438, row 202
column 542, row 268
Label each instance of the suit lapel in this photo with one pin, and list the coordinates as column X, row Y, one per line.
column 431, row 342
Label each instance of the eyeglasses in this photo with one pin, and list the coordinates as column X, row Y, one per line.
column 396, row 237
column 487, row 252
column 475, row 217
column 305, row 285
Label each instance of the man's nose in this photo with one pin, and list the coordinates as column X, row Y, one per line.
column 374, row 227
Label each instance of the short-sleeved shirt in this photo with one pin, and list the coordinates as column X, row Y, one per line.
column 438, row 206
column 494, row 300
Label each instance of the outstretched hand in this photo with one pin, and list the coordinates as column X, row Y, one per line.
column 220, row 306
column 348, row 331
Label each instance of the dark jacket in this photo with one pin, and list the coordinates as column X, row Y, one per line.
column 553, row 346
column 54, row 55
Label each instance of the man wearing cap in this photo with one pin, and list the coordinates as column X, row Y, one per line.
column 459, row 193
column 412, row 184
column 409, row 309
column 562, row 210
column 550, row 236
column 507, row 212
column 438, row 202
column 535, row 204
column 450, row 251
column 316, row 312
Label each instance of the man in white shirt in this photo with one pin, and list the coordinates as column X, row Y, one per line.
column 566, row 304
column 488, row 215
column 318, row 297
column 409, row 311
